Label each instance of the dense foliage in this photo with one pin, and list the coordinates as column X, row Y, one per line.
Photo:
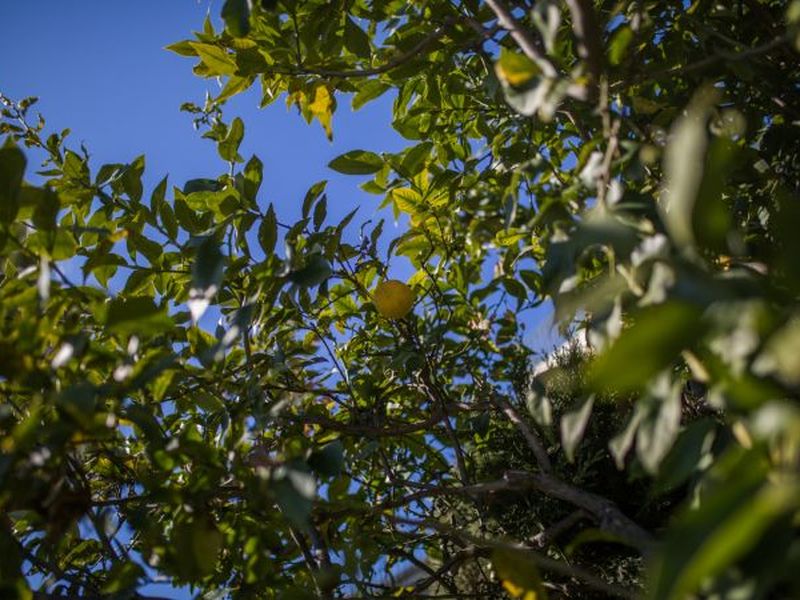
column 633, row 162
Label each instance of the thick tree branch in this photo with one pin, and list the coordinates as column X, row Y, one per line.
column 608, row 515
column 543, row 562
column 549, row 535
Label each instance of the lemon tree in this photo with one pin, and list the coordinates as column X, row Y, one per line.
column 632, row 165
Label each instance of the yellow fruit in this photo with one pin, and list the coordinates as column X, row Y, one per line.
column 393, row 299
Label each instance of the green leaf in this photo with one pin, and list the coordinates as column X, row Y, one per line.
column 79, row 401
column 157, row 197
column 659, row 428
column 328, row 461
column 12, row 169
column 538, row 404
column 573, row 425
column 514, row 68
column 655, row 340
column 183, row 48
column 234, row 85
column 312, row 195
column 619, row 44
column 711, row 220
column 201, row 185
column 589, row 536
column 369, row 90
column 355, row 39
column 730, row 520
column 123, row 577
column 357, row 162
column 218, row 61
column 196, row 546
column 620, row 444
column 45, row 213
column 686, row 455
column 414, row 159
column 268, row 232
column 253, row 176
column 320, row 212
column 169, row 220
column 316, row 270
column 136, row 315
column 294, row 490
column 132, row 179
column 229, row 147
column 236, row 14
column 683, row 167
column 207, row 273
column 406, row 200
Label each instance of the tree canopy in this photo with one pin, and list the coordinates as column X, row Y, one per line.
column 634, row 163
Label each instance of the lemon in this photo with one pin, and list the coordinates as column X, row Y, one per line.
column 393, row 299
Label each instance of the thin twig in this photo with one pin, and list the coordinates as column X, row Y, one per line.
column 535, row 444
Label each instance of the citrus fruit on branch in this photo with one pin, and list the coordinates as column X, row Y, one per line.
column 393, row 299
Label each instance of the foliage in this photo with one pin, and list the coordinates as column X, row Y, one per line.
column 634, row 163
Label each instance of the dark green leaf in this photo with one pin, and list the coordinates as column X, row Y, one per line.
column 357, row 162
column 355, row 39
column 316, row 270
column 328, row 461
column 136, row 315
column 268, row 232
column 12, row 168
column 236, row 14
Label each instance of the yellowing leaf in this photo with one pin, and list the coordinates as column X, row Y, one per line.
column 515, row 69
column 518, row 574
column 516, row 591
column 406, row 200
column 322, row 108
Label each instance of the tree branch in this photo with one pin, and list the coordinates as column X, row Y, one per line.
column 608, row 515
column 535, row 444
column 587, row 34
column 523, row 37
column 544, row 562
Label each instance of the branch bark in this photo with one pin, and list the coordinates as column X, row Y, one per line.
column 608, row 515
column 544, row 562
column 587, row 34
column 533, row 440
column 522, row 37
